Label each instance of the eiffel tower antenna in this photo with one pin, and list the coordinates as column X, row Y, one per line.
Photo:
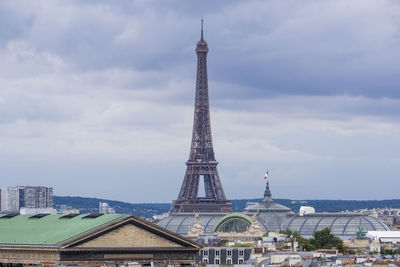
column 202, row 36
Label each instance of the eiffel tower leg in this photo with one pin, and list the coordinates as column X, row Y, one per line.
column 220, row 194
column 184, row 188
column 194, row 186
column 208, row 186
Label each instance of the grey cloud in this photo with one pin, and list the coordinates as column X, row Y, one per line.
column 12, row 23
column 273, row 47
column 341, row 107
column 320, row 49
column 101, row 92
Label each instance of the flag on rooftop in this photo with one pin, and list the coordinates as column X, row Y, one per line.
column 266, row 175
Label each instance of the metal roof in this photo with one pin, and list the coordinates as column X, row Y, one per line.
column 267, row 206
column 384, row 233
column 275, row 217
column 181, row 222
column 49, row 230
column 234, row 215
column 342, row 225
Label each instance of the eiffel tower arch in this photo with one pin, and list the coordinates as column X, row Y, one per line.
column 202, row 164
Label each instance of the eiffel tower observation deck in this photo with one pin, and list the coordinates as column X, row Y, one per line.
column 202, row 165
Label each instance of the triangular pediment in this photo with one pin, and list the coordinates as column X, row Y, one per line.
column 130, row 233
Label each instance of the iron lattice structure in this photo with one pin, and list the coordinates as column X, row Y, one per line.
column 201, row 163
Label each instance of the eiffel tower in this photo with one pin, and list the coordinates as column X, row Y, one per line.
column 202, row 163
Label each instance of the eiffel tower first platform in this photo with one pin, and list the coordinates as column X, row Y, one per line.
column 202, row 163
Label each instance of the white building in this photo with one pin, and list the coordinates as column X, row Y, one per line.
column 105, row 208
column 9, row 199
column 306, row 210
column 387, row 239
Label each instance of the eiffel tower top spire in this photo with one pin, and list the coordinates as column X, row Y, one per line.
column 202, row 46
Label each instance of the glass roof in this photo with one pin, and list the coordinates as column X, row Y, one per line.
column 340, row 224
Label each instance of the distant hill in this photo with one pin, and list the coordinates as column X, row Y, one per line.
column 147, row 210
column 89, row 205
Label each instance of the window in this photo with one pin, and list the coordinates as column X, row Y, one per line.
column 217, row 253
column 241, row 261
column 205, row 252
column 205, row 260
column 228, row 261
column 216, row 261
column 229, row 253
column 241, row 253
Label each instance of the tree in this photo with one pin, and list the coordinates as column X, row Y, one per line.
column 386, row 251
column 324, row 239
column 302, row 242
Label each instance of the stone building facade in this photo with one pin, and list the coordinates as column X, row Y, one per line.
column 92, row 240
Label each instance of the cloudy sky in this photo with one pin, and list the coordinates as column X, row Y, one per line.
column 96, row 97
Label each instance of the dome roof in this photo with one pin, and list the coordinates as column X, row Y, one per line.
column 233, row 222
column 267, row 205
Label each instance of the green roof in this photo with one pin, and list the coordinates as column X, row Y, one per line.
column 49, row 230
column 230, row 217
